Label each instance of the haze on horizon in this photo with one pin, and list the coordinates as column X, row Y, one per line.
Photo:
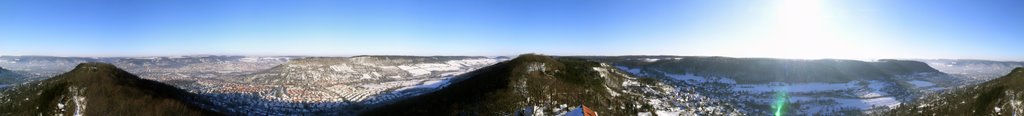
column 805, row 29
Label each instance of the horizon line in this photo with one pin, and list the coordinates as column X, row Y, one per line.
column 620, row 55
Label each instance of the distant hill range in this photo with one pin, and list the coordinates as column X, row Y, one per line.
column 1001, row 96
column 147, row 67
column 762, row 70
column 99, row 89
column 973, row 71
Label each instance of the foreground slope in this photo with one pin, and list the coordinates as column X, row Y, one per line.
column 98, row 89
column 541, row 85
column 1001, row 96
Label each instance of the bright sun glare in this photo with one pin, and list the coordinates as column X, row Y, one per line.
column 805, row 29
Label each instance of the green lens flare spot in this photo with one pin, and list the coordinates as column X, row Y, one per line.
column 780, row 102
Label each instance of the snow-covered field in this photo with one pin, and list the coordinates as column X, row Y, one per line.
column 796, row 87
column 822, row 97
column 428, row 84
column 920, row 83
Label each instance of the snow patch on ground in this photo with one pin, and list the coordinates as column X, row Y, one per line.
column 472, row 62
column 601, row 71
column 796, row 87
column 60, row 106
column 246, row 59
column 428, row 84
column 873, row 94
column 78, row 100
column 862, row 104
column 434, row 83
column 874, row 90
column 650, row 60
column 865, row 104
column 919, row 83
column 533, row 67
column 876, row 85
column 415, row 71
column 427, row 68
column 614, row 94
column 342, row 68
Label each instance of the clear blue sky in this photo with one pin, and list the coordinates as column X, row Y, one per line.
column 978, row 29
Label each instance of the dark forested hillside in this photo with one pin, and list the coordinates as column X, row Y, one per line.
column 98, row 89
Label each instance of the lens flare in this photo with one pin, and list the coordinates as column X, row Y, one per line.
column 780, row 102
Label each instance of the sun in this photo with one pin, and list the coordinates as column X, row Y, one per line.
column 802, row 29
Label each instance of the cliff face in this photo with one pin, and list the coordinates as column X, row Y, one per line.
column 98, row 89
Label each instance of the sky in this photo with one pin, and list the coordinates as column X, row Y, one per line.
column 804, row 29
